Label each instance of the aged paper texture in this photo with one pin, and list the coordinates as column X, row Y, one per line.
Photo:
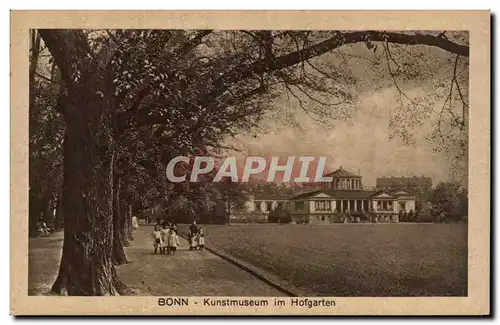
column 250, row 162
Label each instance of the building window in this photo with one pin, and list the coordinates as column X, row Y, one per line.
column 257, row 205
column 322, row 205
column 269, row 206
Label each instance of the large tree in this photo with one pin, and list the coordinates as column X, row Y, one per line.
column 199, row 85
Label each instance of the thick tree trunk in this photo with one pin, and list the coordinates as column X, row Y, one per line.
column 119, row 256
column 86, row 267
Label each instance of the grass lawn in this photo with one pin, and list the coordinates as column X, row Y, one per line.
column 354, row 260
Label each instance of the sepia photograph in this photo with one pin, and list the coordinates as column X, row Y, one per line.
column 241, row 167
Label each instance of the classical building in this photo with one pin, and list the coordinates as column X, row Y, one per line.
column 345, row 200
column 331, row 206
column 342, row 200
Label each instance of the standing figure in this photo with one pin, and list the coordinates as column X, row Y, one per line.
column 193, row 233
column 173, row 242
column 42, row 229
column 135, row 223
column 193, row 242
column 157, row 240
column 201, row 239
column 193, row 228
column 164, row 238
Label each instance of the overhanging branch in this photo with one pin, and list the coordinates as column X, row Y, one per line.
column 260, row 66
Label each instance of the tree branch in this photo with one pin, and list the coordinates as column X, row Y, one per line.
column 43, row 77
column 260, row 66
column 265, row 65
column 194, row 42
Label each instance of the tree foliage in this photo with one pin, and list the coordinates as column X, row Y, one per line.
column 133, row 99
column 46, row 131
column 448, row 201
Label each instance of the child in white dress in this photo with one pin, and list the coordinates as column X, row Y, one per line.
column 173, row 242
column 157, row 240
column 135, row 223
column 201, row 239
column 193, row 242
column 164, row 238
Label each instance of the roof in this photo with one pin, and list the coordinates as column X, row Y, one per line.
column 270, row 197
column 342, row 173
column 394, row 191
column 352, row 194
column 340, row 194
column 306, row 194
column 404, row 181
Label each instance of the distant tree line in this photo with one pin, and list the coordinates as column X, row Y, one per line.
column 447, row 202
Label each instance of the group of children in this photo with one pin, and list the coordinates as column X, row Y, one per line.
column 196, row 239
column 165, row 238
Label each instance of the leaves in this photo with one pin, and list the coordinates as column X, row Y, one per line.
column 181, row 91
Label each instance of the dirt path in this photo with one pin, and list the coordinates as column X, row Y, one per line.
column 187, row 273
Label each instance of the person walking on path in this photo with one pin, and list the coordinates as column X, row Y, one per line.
column 164, row 237
column 157, row 240
column 135, row 223
column 193, row 228
column 201, row 239
column 193, row 233
column 42, row 229
column 173, row 242
column 193, row 242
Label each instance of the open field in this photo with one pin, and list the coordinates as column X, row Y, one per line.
column 354, row 259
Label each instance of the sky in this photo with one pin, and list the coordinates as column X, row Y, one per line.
column 361, row 143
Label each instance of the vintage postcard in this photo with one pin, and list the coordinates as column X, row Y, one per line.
column 250, row 163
